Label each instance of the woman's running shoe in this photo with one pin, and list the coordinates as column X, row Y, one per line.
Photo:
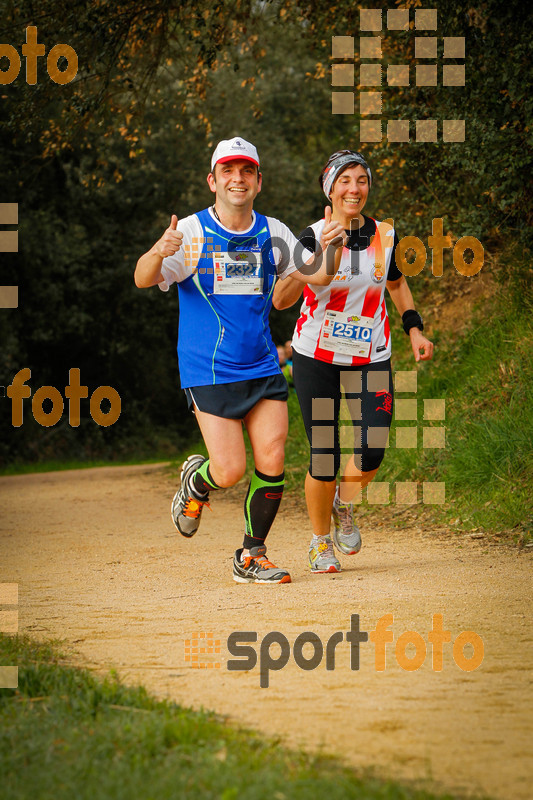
column 322, row 556
column 346, row 535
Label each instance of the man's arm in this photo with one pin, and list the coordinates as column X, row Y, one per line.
column 148, row 269
column 287, row 292
column 403, row 300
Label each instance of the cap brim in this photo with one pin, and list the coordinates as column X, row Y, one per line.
column 224, row 159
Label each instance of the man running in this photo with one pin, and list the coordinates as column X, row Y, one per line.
column 225, row 260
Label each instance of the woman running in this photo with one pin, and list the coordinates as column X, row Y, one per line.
column 342, row 339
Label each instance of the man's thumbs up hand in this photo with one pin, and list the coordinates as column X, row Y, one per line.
column 171, row 240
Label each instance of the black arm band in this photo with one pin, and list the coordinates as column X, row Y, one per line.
column 412, row 319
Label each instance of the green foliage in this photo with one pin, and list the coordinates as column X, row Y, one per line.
column 486, row 376
column 482, row 187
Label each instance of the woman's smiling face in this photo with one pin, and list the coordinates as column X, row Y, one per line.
column 350, row 192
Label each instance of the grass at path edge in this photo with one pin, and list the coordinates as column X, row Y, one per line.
column 65, row 733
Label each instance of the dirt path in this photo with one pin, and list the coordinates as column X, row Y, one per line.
column 98, row 563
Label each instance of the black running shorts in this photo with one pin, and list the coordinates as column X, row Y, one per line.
column 235, row 400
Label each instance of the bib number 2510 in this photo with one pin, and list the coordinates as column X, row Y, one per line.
column 352, row 331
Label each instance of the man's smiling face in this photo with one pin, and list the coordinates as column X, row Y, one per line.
column 236, row 183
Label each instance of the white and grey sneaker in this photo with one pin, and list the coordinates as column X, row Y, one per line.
column 187, row 504
column 256, row 568
column 322, row 556
column 346, row 534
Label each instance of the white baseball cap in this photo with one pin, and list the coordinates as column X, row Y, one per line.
column 231, row 149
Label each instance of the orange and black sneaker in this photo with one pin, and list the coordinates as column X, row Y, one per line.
column 256, row 568
column 187, row 504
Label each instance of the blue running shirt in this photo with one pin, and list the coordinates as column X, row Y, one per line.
column 224, row 335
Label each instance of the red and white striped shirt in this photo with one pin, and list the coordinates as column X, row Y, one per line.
column 358, row 292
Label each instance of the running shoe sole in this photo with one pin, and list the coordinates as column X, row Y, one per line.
column 238, row 579
column 331, row 568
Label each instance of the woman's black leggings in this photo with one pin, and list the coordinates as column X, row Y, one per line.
column 369, row 397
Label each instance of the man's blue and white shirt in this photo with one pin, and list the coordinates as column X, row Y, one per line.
column 225, row 282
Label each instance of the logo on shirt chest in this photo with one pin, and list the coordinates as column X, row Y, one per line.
column 359, row 265
column 346, row 271
column 377, row 273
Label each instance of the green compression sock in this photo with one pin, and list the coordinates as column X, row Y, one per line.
column 261, row 506
column 203, row 481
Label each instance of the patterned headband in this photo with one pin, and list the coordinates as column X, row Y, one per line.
column 332, row 170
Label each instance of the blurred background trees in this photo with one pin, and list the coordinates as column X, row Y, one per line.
column 97, row 167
